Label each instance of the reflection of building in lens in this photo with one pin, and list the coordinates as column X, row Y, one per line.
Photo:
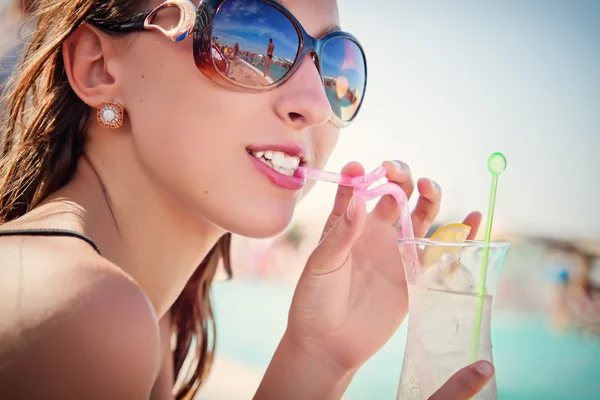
column 287, row 63
column 329, row 81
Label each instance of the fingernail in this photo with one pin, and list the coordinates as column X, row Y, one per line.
column 485, row 368
column 351, row 210
column 400, row 166
column 434, row 184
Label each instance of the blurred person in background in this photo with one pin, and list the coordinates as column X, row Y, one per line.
column 583, row 298
column 128, row 162
column 577, row 298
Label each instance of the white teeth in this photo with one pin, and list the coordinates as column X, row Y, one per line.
column 279, row 161
column 292, row 162
column 285, row 171
column 283, row 160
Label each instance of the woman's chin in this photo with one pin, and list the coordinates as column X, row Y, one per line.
column 268, row 229
column 262, row 226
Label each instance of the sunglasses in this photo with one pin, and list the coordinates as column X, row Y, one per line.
column 257, row 45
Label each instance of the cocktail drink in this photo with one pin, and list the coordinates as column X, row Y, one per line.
column 449, row 323
column 450, row 287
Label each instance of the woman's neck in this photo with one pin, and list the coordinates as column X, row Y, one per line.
column 143, row 232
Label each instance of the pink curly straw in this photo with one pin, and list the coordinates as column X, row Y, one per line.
column 361, row 188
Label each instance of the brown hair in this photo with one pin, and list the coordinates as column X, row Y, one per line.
column 42, row 140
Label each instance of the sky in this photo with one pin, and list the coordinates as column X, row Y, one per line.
column 246, row 23
column 452, row 82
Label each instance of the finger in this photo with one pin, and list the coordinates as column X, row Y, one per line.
column 474, row 221
column 343, row 196
column 428, row 206
column 333, row 251
column 466, row 383
column 399, row 173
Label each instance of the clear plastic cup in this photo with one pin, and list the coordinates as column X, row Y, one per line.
column 443, row 309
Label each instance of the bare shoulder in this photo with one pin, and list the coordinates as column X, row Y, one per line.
column 74, row 324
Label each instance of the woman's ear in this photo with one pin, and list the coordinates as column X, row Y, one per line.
column 88, row 55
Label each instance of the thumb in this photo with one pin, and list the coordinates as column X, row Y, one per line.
column 466, row 383
column 334, row 248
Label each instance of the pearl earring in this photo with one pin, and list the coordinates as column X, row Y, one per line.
column 110, row 114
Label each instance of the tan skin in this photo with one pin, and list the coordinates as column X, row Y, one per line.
column 148, row 197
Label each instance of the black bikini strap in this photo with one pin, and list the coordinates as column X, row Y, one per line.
column 50, row 232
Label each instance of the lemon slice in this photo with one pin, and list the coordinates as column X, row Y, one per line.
column 447, row 233
column 452, row 233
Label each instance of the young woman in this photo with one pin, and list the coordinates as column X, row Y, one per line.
column 133, row 150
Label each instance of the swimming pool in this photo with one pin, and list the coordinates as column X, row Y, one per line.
column 531, row 362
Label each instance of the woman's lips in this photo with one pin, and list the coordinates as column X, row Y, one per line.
column 279, row 179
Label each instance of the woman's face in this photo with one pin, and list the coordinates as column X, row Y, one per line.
column 195, row 139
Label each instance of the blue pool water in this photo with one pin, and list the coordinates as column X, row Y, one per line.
column 531, row 361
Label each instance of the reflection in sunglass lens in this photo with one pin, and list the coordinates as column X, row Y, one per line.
column 344, row 76
column 253, row 43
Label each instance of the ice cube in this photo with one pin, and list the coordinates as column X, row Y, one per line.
column 460, row 280
column 454, row 276
column 431, row 278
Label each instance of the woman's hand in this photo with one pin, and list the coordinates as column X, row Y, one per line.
column 352, row 295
